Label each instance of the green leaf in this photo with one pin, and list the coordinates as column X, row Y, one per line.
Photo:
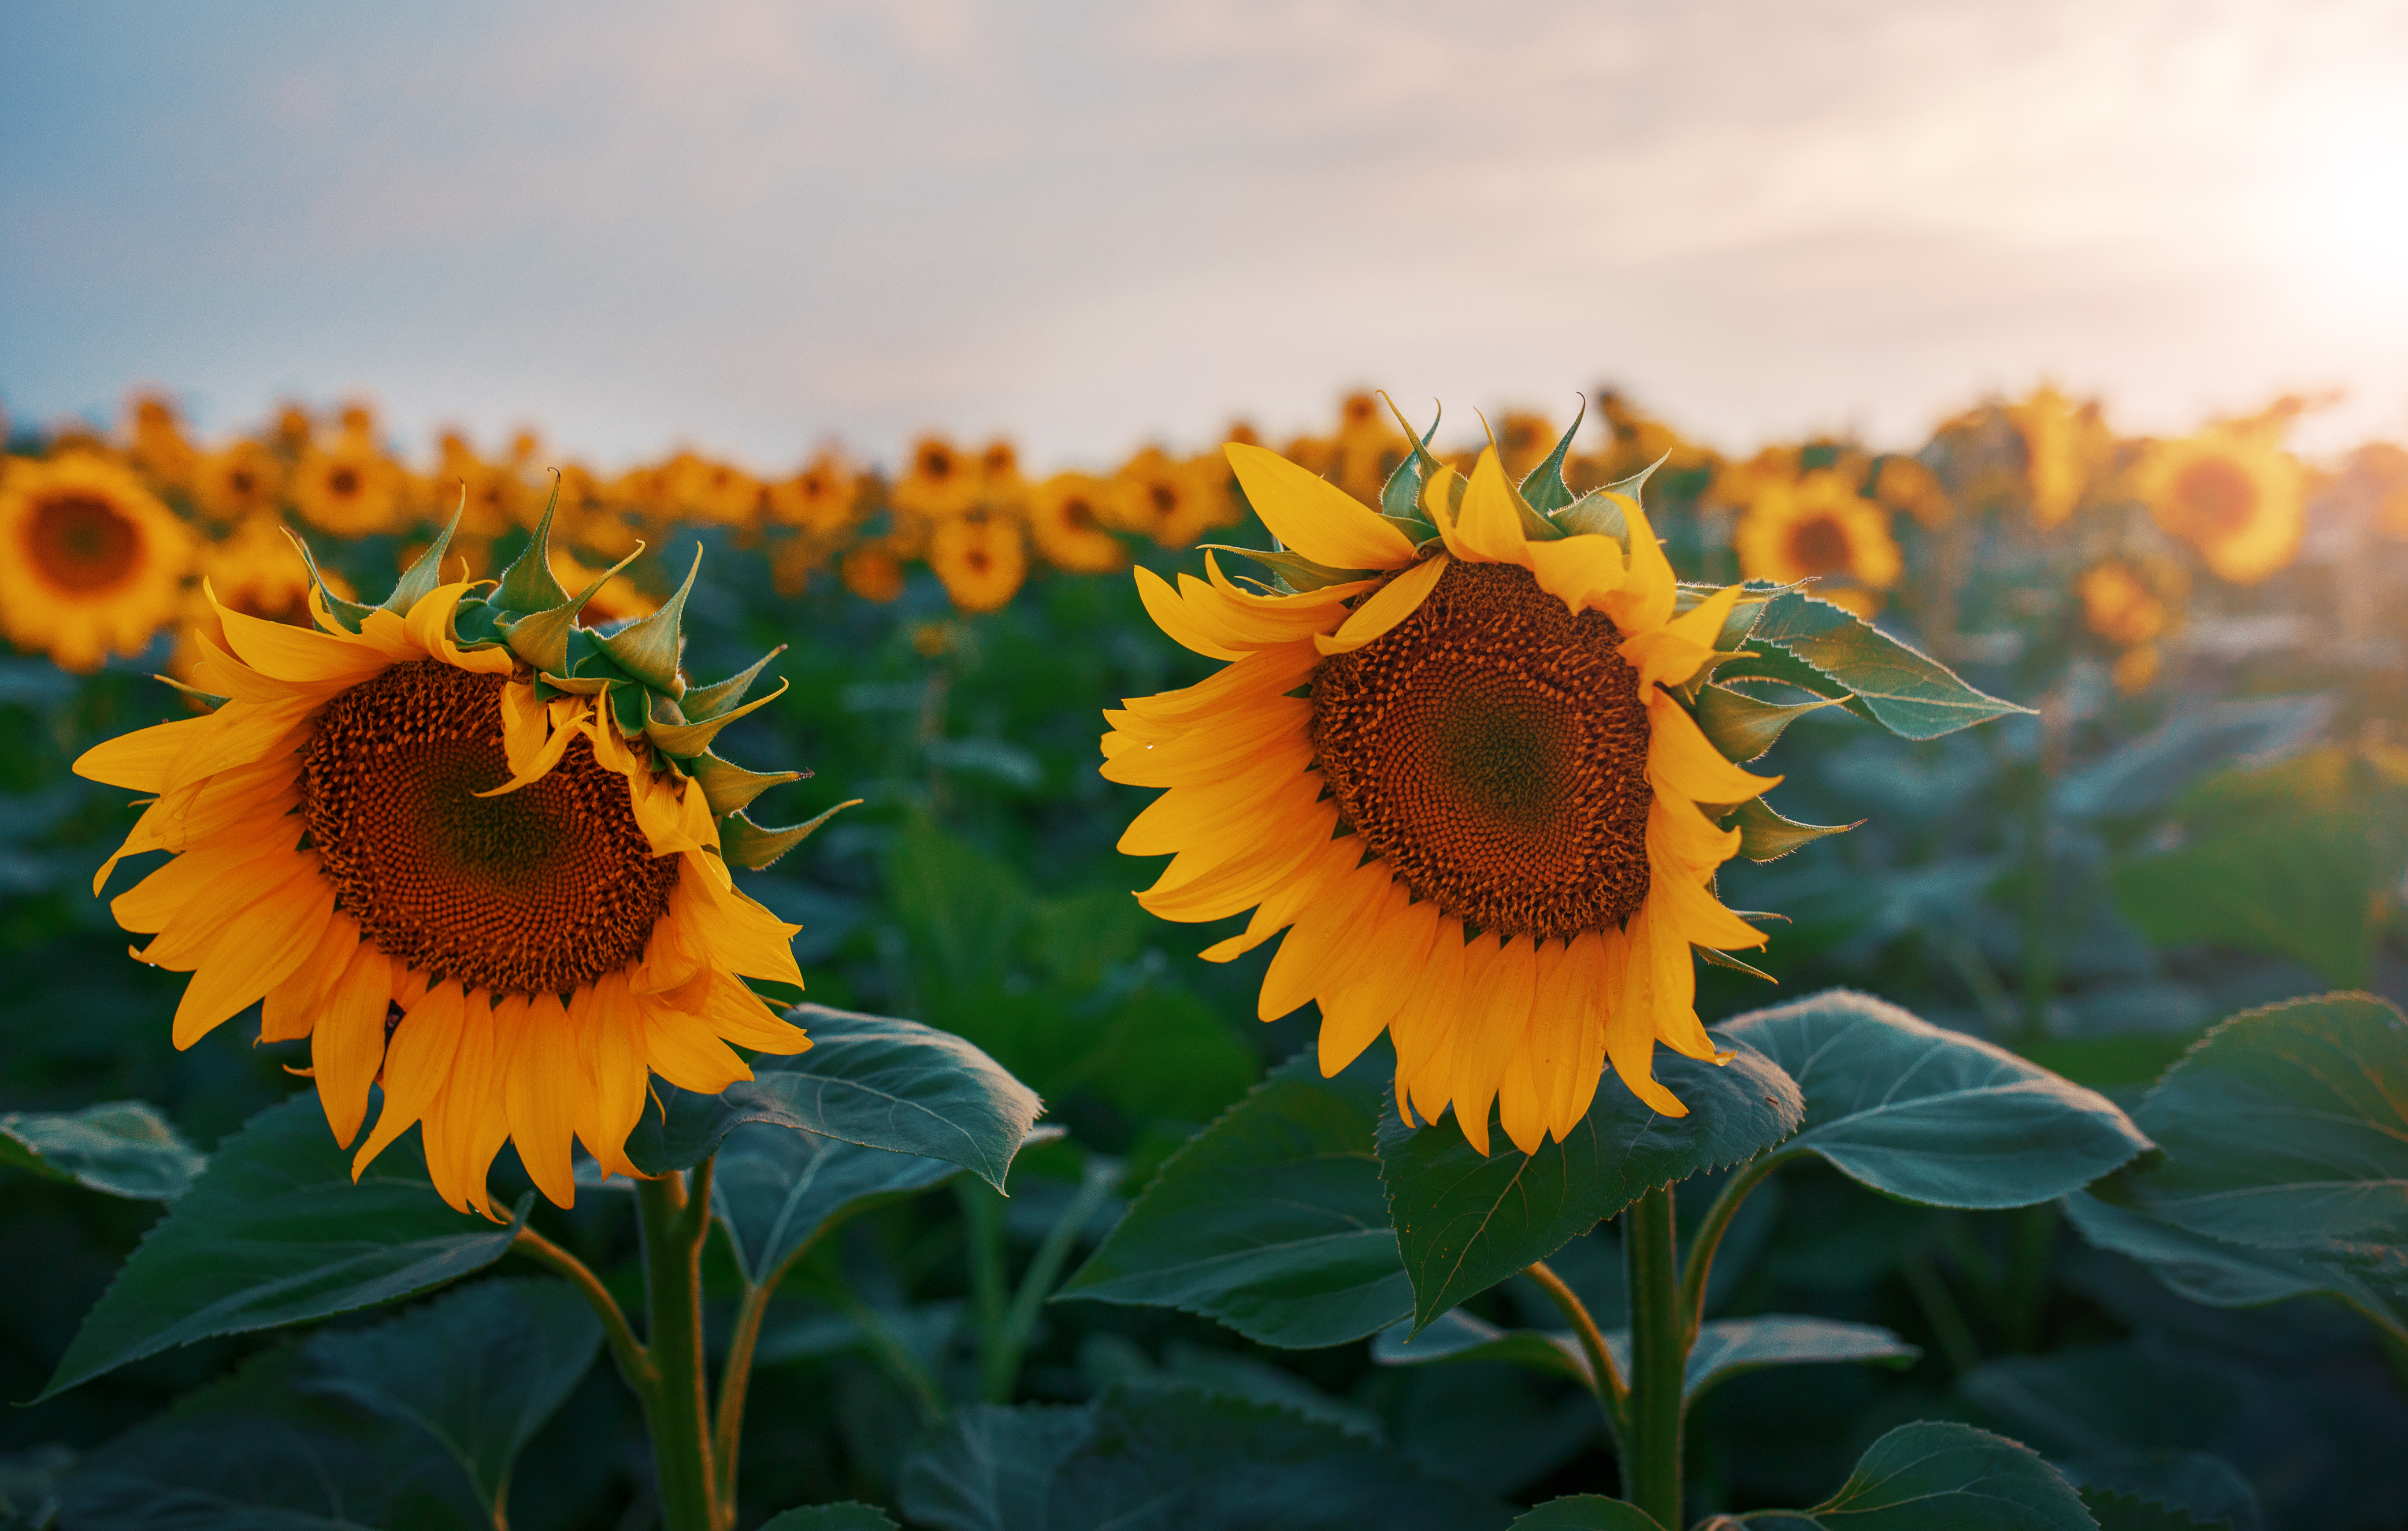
column 274, row 1232
column 1764, row 835
column 1586, row 1512
column 256, row 1452
column 1465, row 1222
column 123, row 1147
column 2130, row 1491
column 1270, row 1220
column 869, row 1080
column 1934, row 1116
column 2287, row 1128
column 2298, row 885
column 1149, row 1455
column 1457, row 1336
column 1931, row 1475
column 2219, row 1273
column 1725, row 1348
column 849, row 1516
column 1744, row 727
column 2127, row 1395
column 481, row 1369
column 777, row 1190
column 1906, row 692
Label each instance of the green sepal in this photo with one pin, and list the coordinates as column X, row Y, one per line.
column 1598, row 513
column 542, row 637
column 196, row 693
column 1764, row 835
column 527, row 584
column 746, row 844
column 474, row 624
column 1724, row 959
column 701, row 704
column 1632, row 487
column 693, row 738
column 1544, row 487
column 1741, row 726
column 630, row 708
column 1299, row 572
column 1534, row 525
column 427, row 573
column 1401, row 497
column 647, row 650
column 729, row 788
column 351, row 614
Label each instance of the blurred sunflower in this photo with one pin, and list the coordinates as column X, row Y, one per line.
column 253, row 570
column 1456, row 773
column 1174, row 503
column 981, row 558
column 820, row 499
column 1522, row 440
column 159, row 447
column 348, row 487
column 715, row 491
column 91, row 562
column 2376, row 477
column 2234, row 494
column 940, row 481
column 2061, row 446
column 1065, row 518
column 243, row 479
column 2118, row 605
column 1903, row 484
column 1817, row 526
column 873, row 572
column 496, row 499
column 445, row 863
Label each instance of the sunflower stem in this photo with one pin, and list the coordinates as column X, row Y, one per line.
column 674, row 1218
column 634, row 1362
column 1001, row 1366
column 1605, row 1378
column 1709, row 1239
column 1660, row 1355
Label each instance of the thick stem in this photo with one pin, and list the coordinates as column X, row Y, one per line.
column 1000, row 1365
column 1708, row 1238
column 1605, row 1378
column 674, row 1220
column 1660, row 1355
column 735, row 1381
column 635, row 1363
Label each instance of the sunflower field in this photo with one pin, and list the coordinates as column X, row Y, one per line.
column 1161, row 1028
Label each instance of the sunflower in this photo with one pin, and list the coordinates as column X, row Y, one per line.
column 1066, row 517
column 469, row 850
column 2062, row 442
column 2118, row 605
column 820, row 499
column 1172, row 502
column 1817, row 526
column 348, row 487
column 941, row 481
column 1453, row 768
column 873, row 572
column 159, row 447
column 981, row 558
column 91, row 562
column 242, row 480
column 1903, row 484
column 2234, row 494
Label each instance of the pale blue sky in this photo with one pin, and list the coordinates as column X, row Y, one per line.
column 744, row 226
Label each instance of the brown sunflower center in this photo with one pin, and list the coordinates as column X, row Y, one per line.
column 1493, row 747
column 544, row 889
column 2218, row 493
column 344, row 482
column 82, row 542
column 1819, row 546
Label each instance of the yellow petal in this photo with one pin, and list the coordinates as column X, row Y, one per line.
column 1171, row 615
column 1330, row 861
column 1445, row 1024
column 1495, row 1019
column 1391, row 604
column 680, row 1049
column 1420, row 1025
column 1204, row 814
column 1321, row 933
column 1630, row 1027
column 1354, row 1017
column 1681, row 760
column 1670, row 654
column 1648, row 588
column 256, row 953
column 605, row 1020
column 1487, row 528
column 540, row 1093
column 140, row 761
column 429, row 626
column 296, row 653
column 1313, row 516
column 417, row 1064
column 347, row 1048
column 1580, row 571
column 291, row 1009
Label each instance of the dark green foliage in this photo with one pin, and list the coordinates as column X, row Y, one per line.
column 122, row 1147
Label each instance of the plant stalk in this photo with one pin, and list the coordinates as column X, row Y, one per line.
column 675, row 1216
column 1000, row 1365
column 1708, row 1238
column 1659, row 1355
column 1605, row 1378
column 982, row 1228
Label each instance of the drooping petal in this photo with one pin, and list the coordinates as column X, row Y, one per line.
column 1391, row 604
column 1312, row 515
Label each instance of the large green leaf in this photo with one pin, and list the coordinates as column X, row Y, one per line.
column 869, row 1080
column 1586, row 1512
column 1931, row 1475
column 2298, row 885
column 2177, row 1490
column 1466, row 1221
column 479, row 1369
column 2287, row 1128
column 1725, row 1348
column 257, row 1451
column 1930, row 1115
column 849, row 1516
column 122, row 1147
column 274, row 1232
column 2140, row 1394
column 1271, row 1219
column 1906, row 692
column 2218, row 1272
column 1148, row 1458
column 777, row 1190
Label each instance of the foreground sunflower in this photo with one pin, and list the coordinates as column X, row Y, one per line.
column 91, row 562
column 1450, row 762
column 472, row 852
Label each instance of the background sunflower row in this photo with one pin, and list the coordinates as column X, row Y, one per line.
column 110, row 533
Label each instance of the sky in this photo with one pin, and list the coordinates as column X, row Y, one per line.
column 750, row 225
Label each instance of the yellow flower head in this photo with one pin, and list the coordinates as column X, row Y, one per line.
column 242, row 480
column 472, row 852
column 2118, row 605
column 2062, row 443
column 159, row 447
column 1172, row 502
column 91, row 562
column 981, row 558
column 1816, row 525
column 2234, row 494
column 1452, row 771
column 349, row 487
column 820, row 499
column 940, row 481
column 1066, row 519
column 873, row 572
